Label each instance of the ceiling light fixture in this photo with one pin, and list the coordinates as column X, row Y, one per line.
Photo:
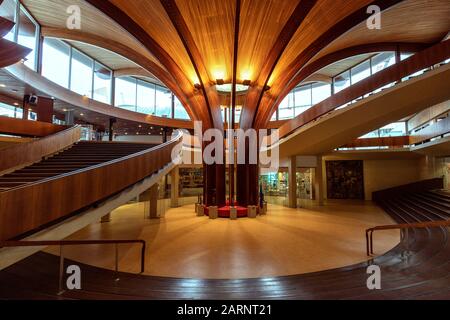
column 2, row 85
column 220, row 82
column 197, row 86
column 247, row 82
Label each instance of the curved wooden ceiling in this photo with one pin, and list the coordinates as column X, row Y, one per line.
column 193, row 40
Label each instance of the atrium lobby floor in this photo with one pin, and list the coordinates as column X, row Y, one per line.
column 284, row 242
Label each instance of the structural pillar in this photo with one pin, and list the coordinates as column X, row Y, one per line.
column 106, row 218
column 174, row 187
column 319, row 191
column 292, row 196
column 150, row 199
column 112, row 121
column 69, row 117
column 44, row 109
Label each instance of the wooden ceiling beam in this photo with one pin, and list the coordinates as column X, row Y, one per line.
column 207, row 85
column 343, row 26
column 256, row 91
column 197, row 103
column 128, row 53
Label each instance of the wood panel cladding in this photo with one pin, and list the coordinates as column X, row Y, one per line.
column 34, row 205
column 27, row 128
column 391, row 142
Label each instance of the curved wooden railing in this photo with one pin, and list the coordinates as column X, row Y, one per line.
column 403, row 227
column 419, row 186
column 26, row 208
column 63, row 243
column 28, row 128
column 30, row 152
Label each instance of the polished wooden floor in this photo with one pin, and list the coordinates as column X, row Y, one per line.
column 285, row 242
column 418, row 268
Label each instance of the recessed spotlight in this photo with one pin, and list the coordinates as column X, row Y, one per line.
column 2, row 85
column 151, row 128
column 81, row 114
column 140, row 126
column 16, row 103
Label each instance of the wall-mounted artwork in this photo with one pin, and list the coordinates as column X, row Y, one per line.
column 345, row 179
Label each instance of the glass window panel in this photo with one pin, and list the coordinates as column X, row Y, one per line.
column 342, row 81
column 7, row 110
column 180, row 111
column 56, row 61
column 8, row 11
column 81, row 75
column 395, row 129
column 274, row 117
column 373, row 134
column 146, row 97
column 27, row 38
column 302, row 96
column 320, row 92
column 102, row 83
column 286, row 109
column 405, row 56
column 382, row 61
column 126, row 93
column 32, row 116
column 361, row 72
column 163, row 102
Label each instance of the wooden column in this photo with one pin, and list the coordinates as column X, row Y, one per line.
column 318, row 183
column 106, row 218
column 292, row 196
column 174, row 187
column 153, row 194
column 44, row 109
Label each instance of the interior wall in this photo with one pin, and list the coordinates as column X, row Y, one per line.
column 384, row 174
column 432, row 167
column 447, row 173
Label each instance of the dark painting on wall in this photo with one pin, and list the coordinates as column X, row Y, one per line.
column 345, row 179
